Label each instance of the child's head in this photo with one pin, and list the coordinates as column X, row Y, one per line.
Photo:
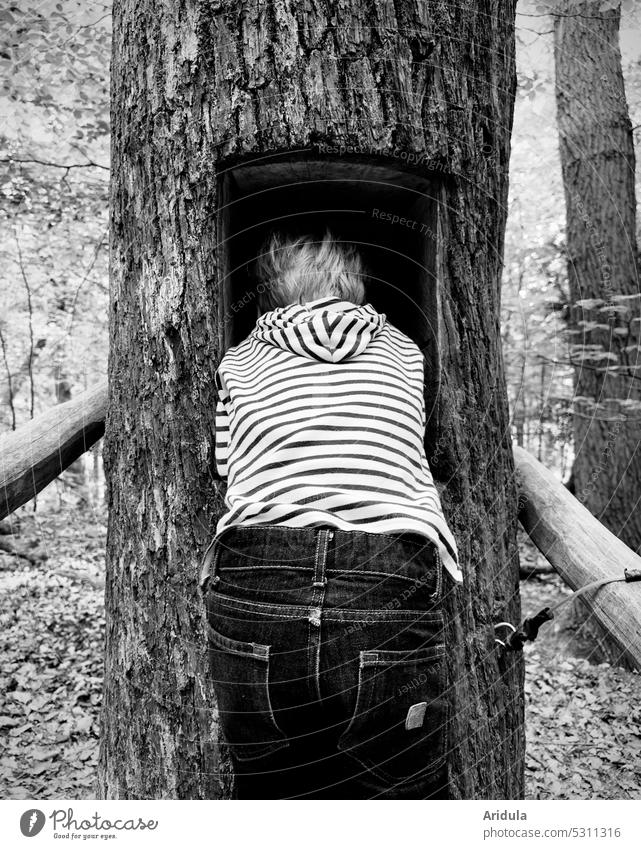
column 305, row 268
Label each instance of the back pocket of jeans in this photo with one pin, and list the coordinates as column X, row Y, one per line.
column 399, row 726
column 241, row 681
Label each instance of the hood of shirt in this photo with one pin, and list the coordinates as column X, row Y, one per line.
column 327, row 329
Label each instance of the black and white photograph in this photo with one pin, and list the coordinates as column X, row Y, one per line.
column 320, row 418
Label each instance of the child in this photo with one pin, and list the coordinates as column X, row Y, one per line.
column 324, row 581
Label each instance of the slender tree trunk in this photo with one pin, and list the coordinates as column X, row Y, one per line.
column 8, row 395
column 196, row 86
column 16, row 379
column 597, row 158
column 74, row 475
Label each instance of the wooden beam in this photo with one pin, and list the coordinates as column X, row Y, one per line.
column 581, row 550
column 36, row 453
column 577, row 545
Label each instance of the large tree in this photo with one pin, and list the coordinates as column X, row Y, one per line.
column 597, row 159
column 197, row 86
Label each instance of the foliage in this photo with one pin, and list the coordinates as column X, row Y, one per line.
column 583, row 719
column 582, row 716
column 54, row 151
column 53, row 220
column 538, row 352
column 54, row 143
column 52, row 626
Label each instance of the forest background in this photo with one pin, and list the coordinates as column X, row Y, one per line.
column 54, row 192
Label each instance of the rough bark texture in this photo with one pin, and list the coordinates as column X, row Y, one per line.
column 197, row 86
column 597, row 158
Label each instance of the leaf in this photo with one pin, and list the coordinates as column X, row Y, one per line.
column 63, row 734
column 40, row 768
column 609, row 5
column 589, row 303
column 83, row 725
column 626, row 297
column 22, row 696
column 16, row 732
column 40, row 753
column 618, row 309
column 39, row 702
column 593, row 356
column 17, row 792
column 592, row 325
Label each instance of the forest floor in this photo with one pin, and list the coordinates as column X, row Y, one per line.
column 583, row 715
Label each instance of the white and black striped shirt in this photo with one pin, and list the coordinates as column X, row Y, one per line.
column 320, row 421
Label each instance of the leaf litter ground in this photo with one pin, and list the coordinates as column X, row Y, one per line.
column 583, row 716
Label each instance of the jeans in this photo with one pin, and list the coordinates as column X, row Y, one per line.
column 327, row 653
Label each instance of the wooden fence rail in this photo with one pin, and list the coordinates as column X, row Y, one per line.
column 581, row 550
column 577, row 545
column 36, row 453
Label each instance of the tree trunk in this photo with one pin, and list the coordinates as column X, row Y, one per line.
column 74, row 477
column 197, row 87
column 597, row 159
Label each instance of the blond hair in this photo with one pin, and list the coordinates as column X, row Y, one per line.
column 303, row 269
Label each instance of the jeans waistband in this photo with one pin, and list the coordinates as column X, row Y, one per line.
column 407, row 554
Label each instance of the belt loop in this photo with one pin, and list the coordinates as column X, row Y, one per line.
column 320, row 559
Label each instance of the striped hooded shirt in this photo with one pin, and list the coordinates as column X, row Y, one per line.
column 320, row 421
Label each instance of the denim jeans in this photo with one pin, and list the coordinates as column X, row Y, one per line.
column 327, row 653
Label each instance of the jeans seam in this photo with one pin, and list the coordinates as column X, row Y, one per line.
column 356, row 703
column 439, row 575
column 418, row 582
column 271, row 566
column 318, row 594
column 398, row 536
column 333, row 614
column 358, row 572
column 277, row 744
column 285, row 740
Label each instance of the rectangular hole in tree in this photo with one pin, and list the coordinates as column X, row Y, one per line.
column 389, row 214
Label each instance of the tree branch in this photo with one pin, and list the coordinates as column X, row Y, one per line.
column 89, row 164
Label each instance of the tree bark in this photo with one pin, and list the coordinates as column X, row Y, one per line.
column 42, row 449
column 198, row 86
column 598, row 164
